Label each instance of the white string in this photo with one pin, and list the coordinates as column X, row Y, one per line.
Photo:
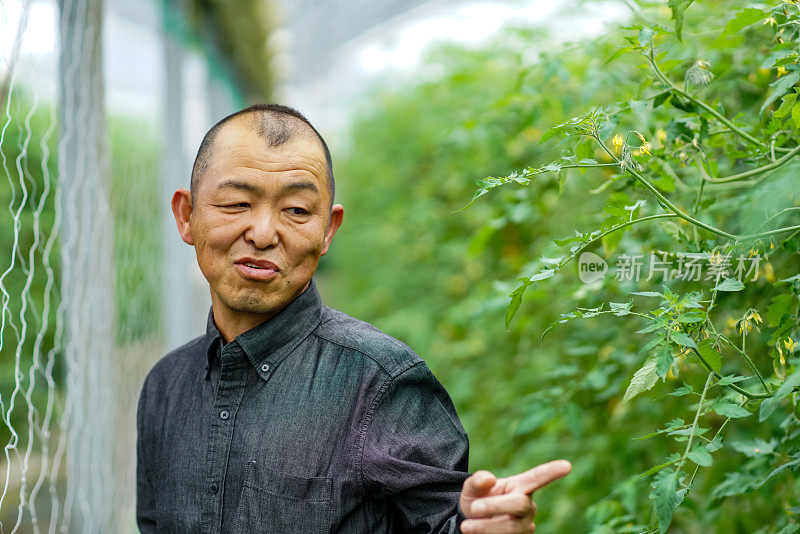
column 15, row 214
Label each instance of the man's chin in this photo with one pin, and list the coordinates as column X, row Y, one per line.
column 254, row 305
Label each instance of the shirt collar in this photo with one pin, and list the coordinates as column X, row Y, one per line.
column 274, row 339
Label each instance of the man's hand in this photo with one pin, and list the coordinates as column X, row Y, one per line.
column 504, row 505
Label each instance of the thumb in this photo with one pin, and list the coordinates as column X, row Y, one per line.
column 479, row 484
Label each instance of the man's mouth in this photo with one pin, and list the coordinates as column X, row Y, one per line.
column 256, row 269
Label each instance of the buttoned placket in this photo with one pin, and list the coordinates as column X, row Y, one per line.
column 229, row 391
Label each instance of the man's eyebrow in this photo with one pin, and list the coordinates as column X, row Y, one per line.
column 236, row 184
column 246, row 186
column 311, row 186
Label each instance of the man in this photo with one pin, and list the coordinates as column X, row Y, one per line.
column 289, row 416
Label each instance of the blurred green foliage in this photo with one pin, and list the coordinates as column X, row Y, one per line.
column 440, row 280
column 135, row 193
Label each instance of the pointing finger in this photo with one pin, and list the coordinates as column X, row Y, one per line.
column 539, row 476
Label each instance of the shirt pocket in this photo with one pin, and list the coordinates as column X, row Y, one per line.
column 278, row 503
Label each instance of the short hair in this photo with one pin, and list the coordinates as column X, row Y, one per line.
column 276, row 124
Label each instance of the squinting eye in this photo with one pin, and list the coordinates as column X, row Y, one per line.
column 238, row 205
column 298, row 211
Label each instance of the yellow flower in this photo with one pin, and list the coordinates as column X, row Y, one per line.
column 661, row 135
column 644, row 149
column 744, row 327
column 770, row 20
column 618, row 141
column 781, row 71
column 790, row 344
column 753, row 315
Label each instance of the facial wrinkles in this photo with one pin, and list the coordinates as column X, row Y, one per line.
column 263, row 172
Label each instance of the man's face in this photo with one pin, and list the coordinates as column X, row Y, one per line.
column 260, row 219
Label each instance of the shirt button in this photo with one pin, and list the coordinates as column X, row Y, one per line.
column 224, row 414
column 264, row 367
column 213, row 488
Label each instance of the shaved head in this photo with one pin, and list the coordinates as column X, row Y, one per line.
column 274, row 123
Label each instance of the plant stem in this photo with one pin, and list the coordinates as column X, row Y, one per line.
column 734, row 387
column 663, row 199
column 623, row 225
column 781, row 212
column 749, row 360
column 744, row 135
column 772, row 166
column 669, row 205
column 694, row 424
column 765, row 234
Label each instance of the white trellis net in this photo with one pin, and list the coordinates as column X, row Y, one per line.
column 55, row 431
column 84, row 246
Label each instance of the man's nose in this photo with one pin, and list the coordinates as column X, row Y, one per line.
column 262, row 230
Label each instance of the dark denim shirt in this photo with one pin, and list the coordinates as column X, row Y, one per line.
column 311, row 422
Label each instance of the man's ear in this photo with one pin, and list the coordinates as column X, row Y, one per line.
column 182, row 210
column 337, row 213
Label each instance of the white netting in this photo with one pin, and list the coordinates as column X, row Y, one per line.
column 84, row 246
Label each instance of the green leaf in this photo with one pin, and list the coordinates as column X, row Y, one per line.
column 618, row 53
column 707, row 351
column 755, row 447
column 779, row 88
column 729, row 284
column 788, row 59
column 793, row 465
column 734, row 411
column 730, row 379
column 683, row 339
column 715, row 444
column 741, row 20
column 644, row 379
column 769, row 405
column 796, row 115
column 667, row 497
column 665, row 359
column 621, row 308
column 671, row 459
column 645, row 36
column 700, row 456
column 779, row 308
column 735, row 483
column 787, row 102
column 647, row 294
column 678, row 7
column 684, row 390
column 654, row 325
column 516, row 300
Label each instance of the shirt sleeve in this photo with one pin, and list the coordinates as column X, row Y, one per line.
column 415, row 455
column 145, row 494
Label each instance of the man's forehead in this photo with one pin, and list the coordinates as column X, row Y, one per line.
column 239, row 150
